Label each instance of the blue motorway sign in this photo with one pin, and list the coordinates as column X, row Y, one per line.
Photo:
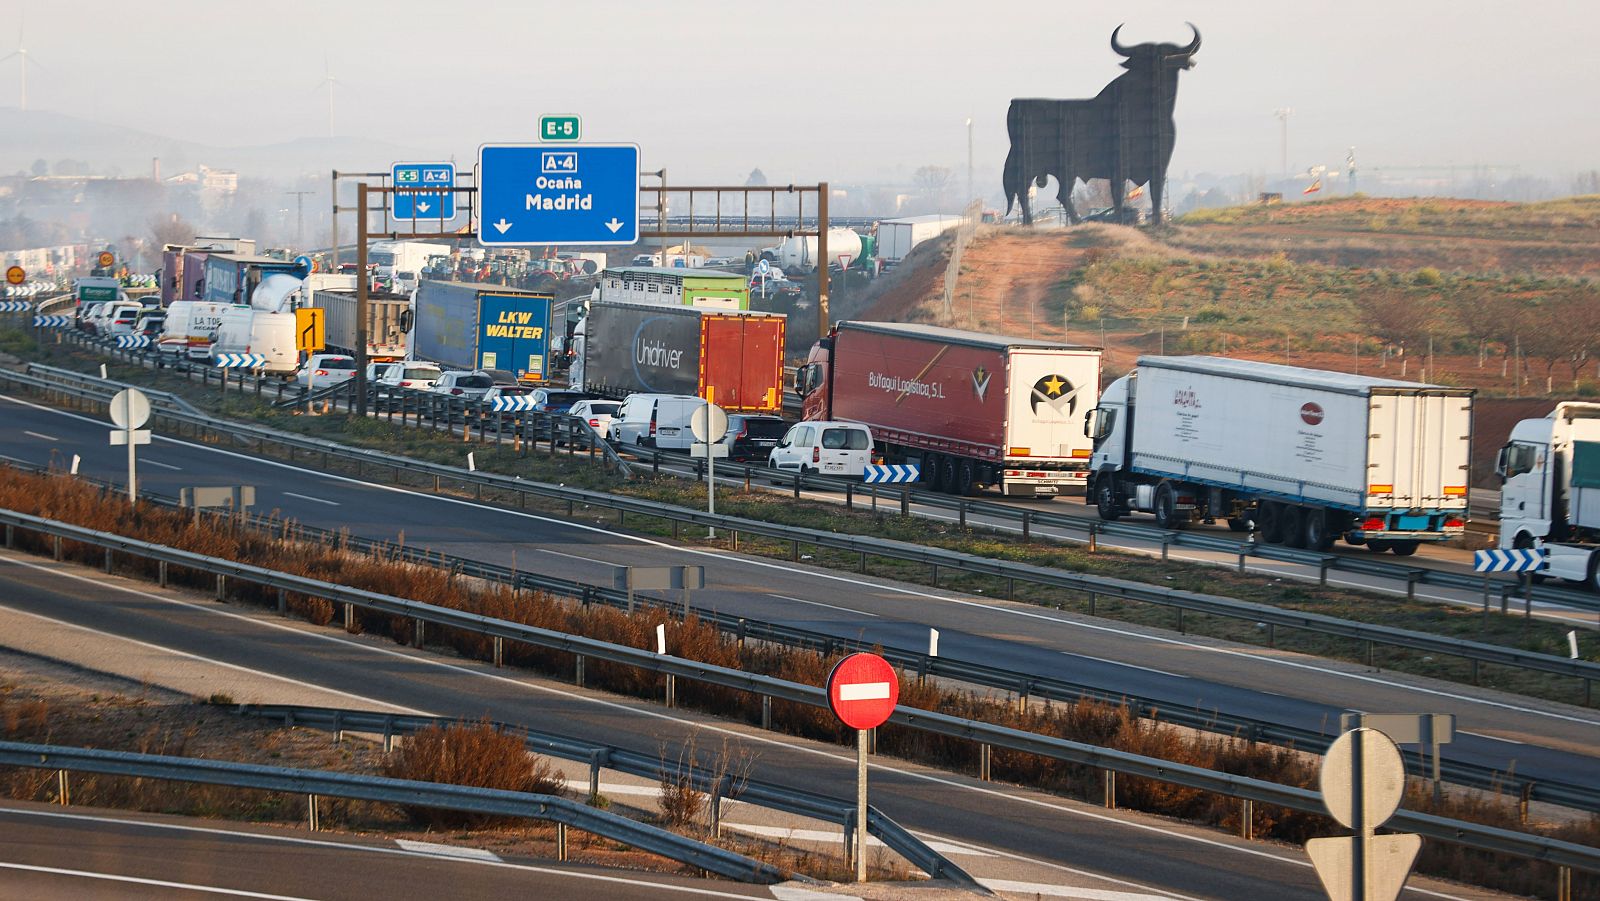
column 558, row 194
column 423, row 204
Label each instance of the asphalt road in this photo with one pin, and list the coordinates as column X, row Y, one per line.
column 1141, row 854
column 47, row 853
column 1533, row 737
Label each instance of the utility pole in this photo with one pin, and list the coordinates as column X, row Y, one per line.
column 299, row 218
column 970, row 196
column 1350, row 166
column 1283, row 114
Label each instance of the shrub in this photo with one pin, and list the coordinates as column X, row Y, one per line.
column 478, row 755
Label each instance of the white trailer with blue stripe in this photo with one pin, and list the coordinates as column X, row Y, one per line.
column 1305, row 456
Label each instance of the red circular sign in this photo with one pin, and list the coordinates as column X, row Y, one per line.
column 16, row 275
column 862, row 691
column 107, row 258
column 1311, row 413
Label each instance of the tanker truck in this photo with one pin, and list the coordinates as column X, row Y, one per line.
column 1304, row 455
column 799, row 254
column 1550, row 491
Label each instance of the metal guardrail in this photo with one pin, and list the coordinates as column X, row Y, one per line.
column 470, row 799
column 1470, row 835
column 1529, row 787
column 1094, row 587
column 716, row 785
column 1410, row 575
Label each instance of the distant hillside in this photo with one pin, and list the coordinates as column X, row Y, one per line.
column 26, row 136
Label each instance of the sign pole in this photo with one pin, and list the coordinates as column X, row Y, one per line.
column 361, row 299
column 860, row 843
column 133, row 480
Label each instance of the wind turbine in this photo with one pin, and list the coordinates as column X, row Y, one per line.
column 21, row 54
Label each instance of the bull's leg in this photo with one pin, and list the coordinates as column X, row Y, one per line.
column 1156, row 184
column 1012, row 180
column 1064, row 194
column 1119, row 186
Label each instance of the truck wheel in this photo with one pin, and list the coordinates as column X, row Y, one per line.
column 1269, row 520
column 1238, row 524
column 933, row 472
column 1378, row 545
column 1593, row 581
column 1405, row 548
column 1105, row 501
column 1318, row 537
column 1293, row 525
column 966, row 482
column 1166, row 507
column 948, row 473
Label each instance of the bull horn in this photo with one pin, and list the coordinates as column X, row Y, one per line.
column 1117, row 48
column 1194, row 44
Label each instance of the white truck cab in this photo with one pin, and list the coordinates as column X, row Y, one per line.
column 1550, row 490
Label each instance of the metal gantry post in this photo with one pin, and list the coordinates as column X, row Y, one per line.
column 361, row 298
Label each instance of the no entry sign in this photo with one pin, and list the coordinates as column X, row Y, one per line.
column 862, row 691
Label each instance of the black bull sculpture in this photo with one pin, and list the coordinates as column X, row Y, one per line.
column 1124, row 134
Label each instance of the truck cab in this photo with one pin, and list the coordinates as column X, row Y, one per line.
column 1550, row 490
column 811, row 382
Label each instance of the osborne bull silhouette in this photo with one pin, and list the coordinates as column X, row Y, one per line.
column 1124, row 134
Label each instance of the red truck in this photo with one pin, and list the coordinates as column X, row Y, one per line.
column 971, row 410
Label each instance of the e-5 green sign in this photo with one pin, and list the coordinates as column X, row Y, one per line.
column 559, row 128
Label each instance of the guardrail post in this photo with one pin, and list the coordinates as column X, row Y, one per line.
column 724, row 784
column 561, row 841
column 349, row 616
column 58, row 548
column 961, row 515
column 1111, row 789
column 1324, row 566
column 222, row 587
column 1166, row 545
column 63, row 789
column 672, row 691
column 10, row 537
column 797, row 484
column 985, row 762
column 1563, row 883
column 161, row 574
column 1523, row 796
column 595, row 759
column 905, row 501
column 1094, row 598
column 108, row 560
column 577, row 676
column 1180, row 621
column 1094, row 537
column 1272, row 635
column 311, row 814
column 1369, row 652
column 419, row 634
column 1411, row 584
column 794, row 551
column 1247, row 824
column 499, row 652
column 935, row 575
column 849, row 495
column 766, row 712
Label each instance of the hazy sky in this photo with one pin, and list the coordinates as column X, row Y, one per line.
column 847, row 91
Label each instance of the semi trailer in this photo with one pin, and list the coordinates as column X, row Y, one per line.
column 473, row 326
column 1305, row 456
column 733, row 359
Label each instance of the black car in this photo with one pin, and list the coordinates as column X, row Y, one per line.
column 752, row 438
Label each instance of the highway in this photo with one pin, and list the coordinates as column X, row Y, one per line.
column 1502, row 731
column 51, row 854
column 1141, row 856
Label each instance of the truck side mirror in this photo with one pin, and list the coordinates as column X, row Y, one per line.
column 1500, row 461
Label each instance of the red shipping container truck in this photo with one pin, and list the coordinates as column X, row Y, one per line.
column 971, row 410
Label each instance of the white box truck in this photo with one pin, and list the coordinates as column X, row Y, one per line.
column 1550, row 491
column 403, row 261
column 1308, row 456
column 897, row 237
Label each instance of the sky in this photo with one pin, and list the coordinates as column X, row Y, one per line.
column 863, row 91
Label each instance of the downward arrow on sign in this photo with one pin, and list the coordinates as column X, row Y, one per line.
column 422, row 207
column 615, row 224
column 502, row 225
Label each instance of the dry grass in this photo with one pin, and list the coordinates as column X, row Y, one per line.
column 475, row 754
column 1088, row 722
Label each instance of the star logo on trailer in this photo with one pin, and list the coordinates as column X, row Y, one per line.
column 980, row 382
column 1056, row 393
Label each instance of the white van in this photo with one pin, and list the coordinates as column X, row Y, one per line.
column 829, row 448
column 190, row 328
column 655, row 420
column 245, row 330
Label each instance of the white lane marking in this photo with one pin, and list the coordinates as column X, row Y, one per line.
column 368, row 849
column 864, row 691
column 545, row 550
column 629, row 791
column 1509, row 741
column 1159, row 672
column 314, row 500
column 736, row 734
column 451, row 851
column 832, row 837
column 1066, row 891
column 175, row 652
column 41, row 437
column 160, row 464
column 879, row 586
column 159, row 883
column 784, row 597
column 791, row 893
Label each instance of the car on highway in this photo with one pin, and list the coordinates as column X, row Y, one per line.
column 556, row 400
column 829, row 448
column 597, row 413
column 467, row 385
column 322, row 370
column 502, row 376
column 121, row 321
column 150, row 324
column 496, row 392
column 375, row 371
column 83, row 316
column 654, row 420
column 751, row 438
column 413, row 375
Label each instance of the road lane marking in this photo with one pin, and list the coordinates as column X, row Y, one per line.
column 1066, row 891
column 832, row 837
column 314, row 500
column 1252, row 655
column 785, row 597
column 1509, row 741
column 1159, row 672
column 42, row 437
column 160, row 464
column 158, row 883
column 545, row 550
column 368, row 849
column 451, row 851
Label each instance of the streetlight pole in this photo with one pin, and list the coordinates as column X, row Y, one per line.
column 299, row 218
column 970, row 196
column 1283, row 115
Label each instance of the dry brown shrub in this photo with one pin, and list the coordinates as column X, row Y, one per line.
column 475, row 754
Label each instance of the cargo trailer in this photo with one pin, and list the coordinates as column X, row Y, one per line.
column 474, row 326
column 733, row 359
